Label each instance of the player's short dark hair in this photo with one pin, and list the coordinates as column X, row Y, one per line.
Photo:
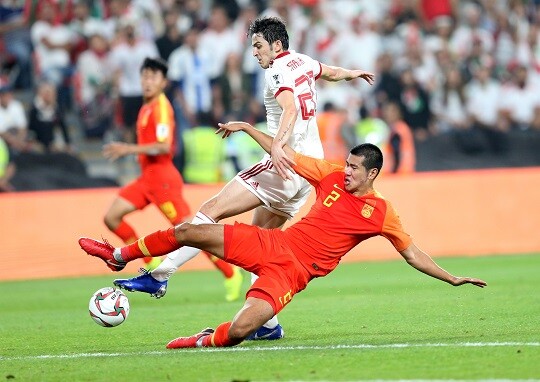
column 373, row 157
column 272, row 29
column 155, row 64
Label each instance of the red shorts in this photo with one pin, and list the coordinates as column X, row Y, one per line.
column 166, row 195
column 265, row 253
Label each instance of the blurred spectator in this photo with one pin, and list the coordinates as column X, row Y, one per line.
column 289, row 12
column 318, row 35
column 506, row 41
column 422, row 64
column 371, row 129
column 126, row 59
column 83, row 25
column 415, row 107
column 45, row 118
column 188, row 72
column 52, row 43
column 520, row 106
column 332, row 122
column 147, row 16
column 443, row 26
column 15, row 42
column 399, row 151
column 475, row 59
column 449, row 104
column 249, row 65
column 94, row 81
column 7, row 168
column 13, row 122
column 172, row 38
column 116, row 11
column 485, row 132
column 62, row 9
column 386, row 82
column 233, row 91
column 219, row 40
column 391, row 41
column 470, row 29
column 194, row 10
column 344, row 49
column 204, row 152
column 431, row 12
column 345, row 96
column 528, row 52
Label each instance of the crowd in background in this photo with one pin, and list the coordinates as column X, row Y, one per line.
column 468, row 68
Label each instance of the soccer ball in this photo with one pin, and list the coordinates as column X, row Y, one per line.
column 109, row 307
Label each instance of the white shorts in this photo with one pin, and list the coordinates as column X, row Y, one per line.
column 282, row 197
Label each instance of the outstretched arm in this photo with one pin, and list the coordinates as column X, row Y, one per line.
column 420, row 260
column 336, row 73
column 263, row 139
column 115, row 150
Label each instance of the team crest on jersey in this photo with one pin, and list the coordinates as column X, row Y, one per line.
column 278, row 79
column 367, row 210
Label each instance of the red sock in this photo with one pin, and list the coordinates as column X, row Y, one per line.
column 158, row 243
column 125, row 232
column 220, row 338
column 222, row 265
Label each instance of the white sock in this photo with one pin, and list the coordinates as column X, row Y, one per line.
column 273, row 322
column 175, row 259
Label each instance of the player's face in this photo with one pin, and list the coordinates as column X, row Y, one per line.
column 262, row 51
column 152, row 82
column 357, row 177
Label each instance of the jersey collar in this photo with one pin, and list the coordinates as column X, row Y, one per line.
column 282, row 54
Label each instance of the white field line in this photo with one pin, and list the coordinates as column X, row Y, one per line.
column 271, row 348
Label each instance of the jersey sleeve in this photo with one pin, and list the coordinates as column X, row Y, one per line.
column 393, row 231
column 317, row 69
column 163, row 119
column 313, row 169
column 278, row 82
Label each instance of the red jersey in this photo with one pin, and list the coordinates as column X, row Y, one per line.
column 155, row 123
column 338, row 220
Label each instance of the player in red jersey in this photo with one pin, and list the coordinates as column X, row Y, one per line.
column 347, row 211
column 160, row 182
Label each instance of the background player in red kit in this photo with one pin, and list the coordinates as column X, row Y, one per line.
column 347, row 211
column 160, row 182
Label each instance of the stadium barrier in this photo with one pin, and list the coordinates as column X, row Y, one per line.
column 461, row 213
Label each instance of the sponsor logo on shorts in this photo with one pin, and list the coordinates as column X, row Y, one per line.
column 255, row 185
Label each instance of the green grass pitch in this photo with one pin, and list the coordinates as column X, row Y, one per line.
column 365, row 321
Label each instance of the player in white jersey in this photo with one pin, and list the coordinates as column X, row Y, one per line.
column 269, row 187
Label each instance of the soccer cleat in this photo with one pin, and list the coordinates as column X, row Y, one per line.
column 233, row 285
column 264, row 333
column 102, row 250
column 143, row 283
column 195, row 341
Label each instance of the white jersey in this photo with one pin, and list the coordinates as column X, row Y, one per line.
column 292, row 71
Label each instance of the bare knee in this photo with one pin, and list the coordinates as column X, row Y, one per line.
column 210, row 209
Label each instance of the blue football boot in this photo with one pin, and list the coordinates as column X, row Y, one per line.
column 143, row 283
column 264, row 333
